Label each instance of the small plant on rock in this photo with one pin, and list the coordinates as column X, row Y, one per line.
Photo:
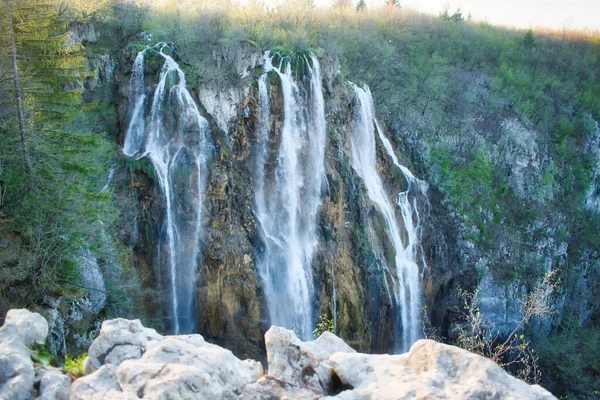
column 74, row 366
column 514, row 352
column 324, row 325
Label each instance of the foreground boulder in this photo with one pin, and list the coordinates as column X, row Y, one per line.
column 19, row 377
column 119, row 340
column 430, row 370
column 183, row 367
column 129, row 361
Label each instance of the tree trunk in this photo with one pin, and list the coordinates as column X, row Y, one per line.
column 19, row 101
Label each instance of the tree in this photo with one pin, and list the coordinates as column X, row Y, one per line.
column 445, row 14
column 362, row 5
column 18, row 95
column 55, row 211
column 528, row 39
column 457, row 17
column 392, row 3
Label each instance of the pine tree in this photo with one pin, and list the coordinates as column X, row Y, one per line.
column 57, row 207
column 529, row 40
column 18, row 92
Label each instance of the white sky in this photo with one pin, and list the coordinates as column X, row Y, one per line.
column 557, row 14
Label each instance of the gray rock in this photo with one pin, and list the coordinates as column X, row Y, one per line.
column 222, row 103
column 430, row 370
column 3, row 243
column 185, row 365
column 101, row 385
column 269, row 387
column 119, row 340
column 21, row 329
column 189, row 366
column 91, row 278
column 243, row 57
column 53, row 384
column 25, row 327
column 302, row 364
column 81, row 32
column 17, row 375
column 56, row 341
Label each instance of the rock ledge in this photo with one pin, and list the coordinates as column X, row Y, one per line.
column 129, row 361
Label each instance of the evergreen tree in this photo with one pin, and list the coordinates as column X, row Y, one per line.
column 529, row 40
column 362, row 5
column 445, row 14
column 457, row 16
column 57, row 211
column 18, row 92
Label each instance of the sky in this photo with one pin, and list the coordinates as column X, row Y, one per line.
column 556, row 14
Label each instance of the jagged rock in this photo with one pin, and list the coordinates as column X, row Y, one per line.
column 222, row 103
column 430, row 370
column 91, row 278
column 81, row 32
column 119, row 340
column 101, row 385
column 243, row 57
column 185, row 365
column 303, row 364
column 21, row 329
column 53, row 384
column 134, row 362
column 24, row 327
column 269, row 387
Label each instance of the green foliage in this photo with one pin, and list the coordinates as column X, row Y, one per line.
column 466, row 184
column 324, row 325
column 41, row 355
column 62, row 209
column 528, row 39
column 361, row 5
column 74, row 365
column 571, row 357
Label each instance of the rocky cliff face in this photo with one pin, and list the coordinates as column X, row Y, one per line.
column 229, row 301
column 129, row 361
column 487, row 251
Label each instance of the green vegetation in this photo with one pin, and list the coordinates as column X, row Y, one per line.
column 74, row 365
column 480, row 100
column 41, row 355
column 324, row 325
column 571, row 357
column 54, row 165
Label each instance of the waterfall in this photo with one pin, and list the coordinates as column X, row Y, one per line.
column 174, row 137
column 137, row 98
column 404, row 276
column 287, row 207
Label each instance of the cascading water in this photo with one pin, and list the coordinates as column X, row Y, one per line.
column 175, row 137
column 287, row 207
column 405, row 279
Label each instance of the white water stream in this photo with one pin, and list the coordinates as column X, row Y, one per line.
column 288, row 201
column 175, row 137
column 404, row 274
